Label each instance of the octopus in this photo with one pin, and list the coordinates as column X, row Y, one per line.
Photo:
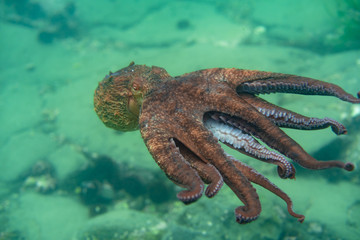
column 183, row 119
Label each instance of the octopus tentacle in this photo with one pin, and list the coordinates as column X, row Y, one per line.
column 215, row 179
column 260, row 82
column 252, row 121
column 235, row 138
column 208, row 173
column 207, row 148
column 288, row 119
column 252, row 209
column 263, row 82
column 167, row 155
column 185, row 177
column 259, row 179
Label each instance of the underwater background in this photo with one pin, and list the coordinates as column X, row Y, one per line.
column 64, row 175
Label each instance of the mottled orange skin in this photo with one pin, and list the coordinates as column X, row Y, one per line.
column 170, row 113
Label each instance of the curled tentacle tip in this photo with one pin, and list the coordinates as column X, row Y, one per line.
column 339, row 131
column 242, row 217
column 187, row 201
column 349, row 166
column 186, row 197
column 284, row 174
column 301, row 219
column 210, row 192
column 244, row 220
column 292, row 176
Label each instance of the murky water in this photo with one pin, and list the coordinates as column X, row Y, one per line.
column 66, row 176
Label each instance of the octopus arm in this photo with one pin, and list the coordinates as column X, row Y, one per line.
column 251, row 121
column 210, row 151
column 234, row 138
column 259, row 179
column 267, row 82
column 167, row 155
column 208, row 173
column 288, row 119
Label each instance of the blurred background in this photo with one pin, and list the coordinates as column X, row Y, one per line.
column 64, row 175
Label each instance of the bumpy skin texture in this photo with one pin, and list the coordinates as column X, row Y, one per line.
column 182, row 119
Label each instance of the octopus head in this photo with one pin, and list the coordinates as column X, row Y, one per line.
column 118, row 97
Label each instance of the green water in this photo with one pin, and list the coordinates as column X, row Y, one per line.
column 64, row 175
